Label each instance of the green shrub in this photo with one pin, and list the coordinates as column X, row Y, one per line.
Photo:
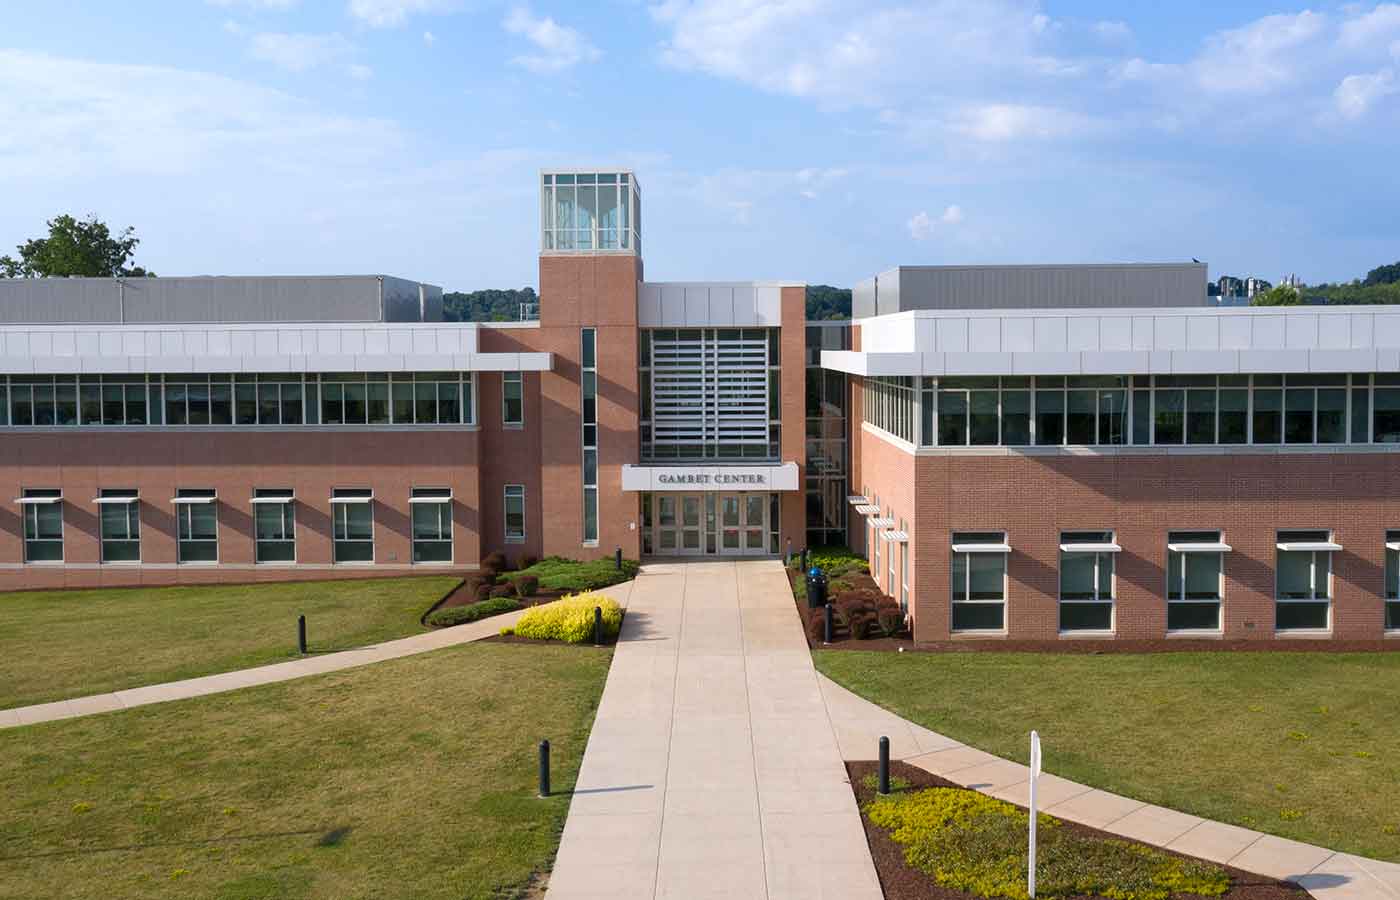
column 525, row 585
column 570, row 619
column 502, row 590
column 460, row 615
column 836, row 560
column 969, row 842
column 559, row 574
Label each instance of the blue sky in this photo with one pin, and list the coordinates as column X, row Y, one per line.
column 814, row 140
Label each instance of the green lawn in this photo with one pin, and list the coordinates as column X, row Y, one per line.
column 59, row 644
column 408, row 778
column 1304, row 745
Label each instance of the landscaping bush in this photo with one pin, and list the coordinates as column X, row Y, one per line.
column 837, row 560
column 889, row 617
column 526, row 561
column 570, row 619
column 559, row 574
column 816, row 626
column 855, row 611
column 969, row 842
column 525, row 585
column 483, row 592
column 502, row 590
column 493, row 564
column 459, row 615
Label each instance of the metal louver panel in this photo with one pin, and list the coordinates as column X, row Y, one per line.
column 707, row 390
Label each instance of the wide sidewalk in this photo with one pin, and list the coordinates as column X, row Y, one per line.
column 311, row 664
column 712, row 769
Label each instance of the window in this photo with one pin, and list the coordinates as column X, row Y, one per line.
column 1086, row 581
column 891, row 586
column 43, row 525
column 979, row 581
column 1304, row 594
column 274, row 524
column 515, row 513
column 875, row 570
column 197, row 525
column 431, row 512
column 512, row 399
column 589, row 387
column 353, row 510
column 1195, row 570
column 119, row 515
column 1392, row 581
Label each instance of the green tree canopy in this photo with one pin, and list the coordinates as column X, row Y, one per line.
column 83, row 247
column 491, row 305
column 1283, row 295
column 1383, row 275
column 827, row 302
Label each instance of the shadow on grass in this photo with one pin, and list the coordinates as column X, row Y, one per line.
column 332, row 838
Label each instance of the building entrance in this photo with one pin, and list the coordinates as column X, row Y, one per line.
column 709, row 524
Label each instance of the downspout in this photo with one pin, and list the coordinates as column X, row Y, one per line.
column 380, row 279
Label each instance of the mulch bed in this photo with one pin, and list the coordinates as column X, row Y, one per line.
column 900, row 881
column 842, row 640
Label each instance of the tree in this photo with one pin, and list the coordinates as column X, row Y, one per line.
column 84, row 247
column 827, row 302
column 1283, row 295
column 1383, row 275
column 491, row 305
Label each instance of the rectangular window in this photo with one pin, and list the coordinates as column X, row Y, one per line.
column 515, row 513
column 43, row 524
column 353, row 511
column 1049, row 417
column 589, row 388
column 119, row 515
column 274, row 524
column 1304, row 581
column 979, row 581
column 1392, row 580
column 1195, row 571
column 197, row 525
column 431, row 512
column 512, row 399
column 1086, row 581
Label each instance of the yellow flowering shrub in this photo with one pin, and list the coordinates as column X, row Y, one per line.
column 570, row 619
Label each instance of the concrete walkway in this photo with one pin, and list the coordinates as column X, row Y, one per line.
column 859, row 725
column 712, row 769
column 312, row 664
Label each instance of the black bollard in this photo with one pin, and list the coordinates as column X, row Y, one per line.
column 301, row 635
column 617, row 559
column 544, row 768
column 884, row 765
column 597, row 626
column 826, row 635
column 804, row 560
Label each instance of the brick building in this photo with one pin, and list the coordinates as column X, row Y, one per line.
column 1027, row 452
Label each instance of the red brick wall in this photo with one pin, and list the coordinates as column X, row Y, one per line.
column 1247, row 496
column 233, row 463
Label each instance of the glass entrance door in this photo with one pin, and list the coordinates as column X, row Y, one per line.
column 743, row 522
column 710, row 524
column 690, row 524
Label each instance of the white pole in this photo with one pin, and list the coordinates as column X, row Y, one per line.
column 1034, row 775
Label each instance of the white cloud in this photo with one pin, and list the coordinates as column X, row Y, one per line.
column 299, row 52
column 1358, row 93
column 388, row 13
column 429, row 38
column 1375, row 28
column 1261, row 56
column 1111, row 31
column 998, row 122
column 359, row 72
column 559, row 46
column 952, row 215
column 921, row 224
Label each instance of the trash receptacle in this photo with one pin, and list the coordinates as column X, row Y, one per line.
column 816, row 588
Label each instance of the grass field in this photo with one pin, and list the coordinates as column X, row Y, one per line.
column 1303, row 745
column 59, row 644
column 408, row 778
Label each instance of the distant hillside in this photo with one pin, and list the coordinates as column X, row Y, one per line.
column 1380, row 286
column 827, row 302
column 491, row 305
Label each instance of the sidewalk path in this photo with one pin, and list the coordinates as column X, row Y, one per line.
column 1327, row 875
column 312, row 664
column 712, row 769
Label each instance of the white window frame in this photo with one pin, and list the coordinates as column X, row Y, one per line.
column 1099, row 555
column 118, row 496
column 341, row 501
column 904, row 569
column 1182, row 551
column 875, row 542
column 509, row 493
column 968, row 551
column 286, row 500
column 1312, row 582
column 507, row 379
column 436, row 498
column 31, row 511
column 184, row 522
